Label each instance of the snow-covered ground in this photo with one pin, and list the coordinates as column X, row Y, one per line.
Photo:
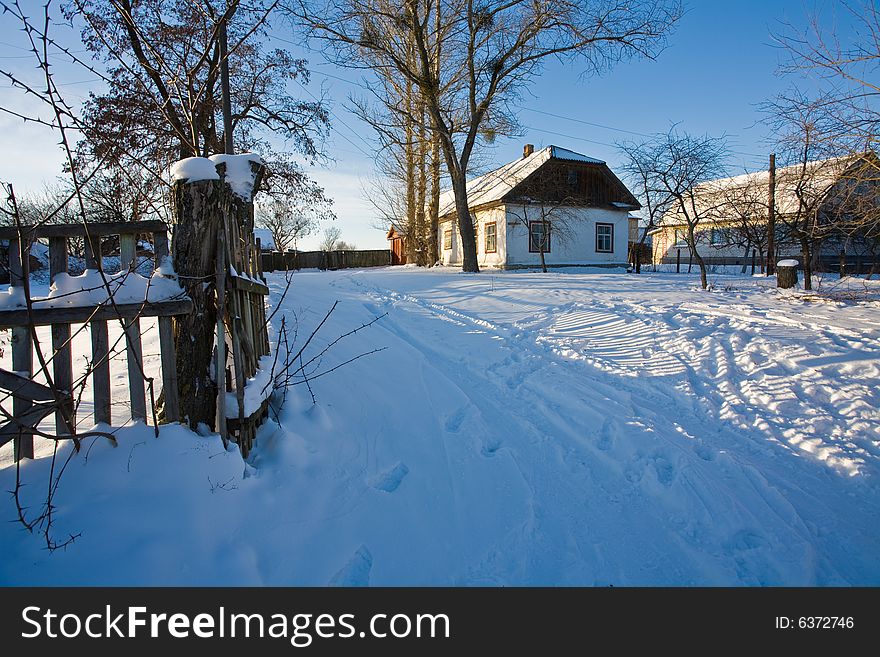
column 577, row 428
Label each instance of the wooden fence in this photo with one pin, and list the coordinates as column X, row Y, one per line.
column 290, row 260
column 32, row 401
column 240, row 282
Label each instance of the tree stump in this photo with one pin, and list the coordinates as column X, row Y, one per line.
column 197, row 207
column 786, row 274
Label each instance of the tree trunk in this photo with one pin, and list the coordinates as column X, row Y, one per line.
column 465, row 225
column 196, row 208
column 695, row 255
column 808, row 265
column 421, row 190
column 434, row 208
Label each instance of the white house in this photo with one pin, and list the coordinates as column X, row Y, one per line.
column 568, row 207
column 734, row 213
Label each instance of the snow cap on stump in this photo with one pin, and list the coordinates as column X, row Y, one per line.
column 240, row 175
column 193, row 169
column 787, row 263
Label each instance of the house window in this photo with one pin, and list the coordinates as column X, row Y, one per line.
column 447, row 240
column 572, row 177
column 490, row 241
column 680, row 237
column 539, row 237
column 719, row 236
column 605, row 238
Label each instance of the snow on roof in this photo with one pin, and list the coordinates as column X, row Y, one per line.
column 265, row 237
column 816, row 179
column 494, row 185
column 565, row 154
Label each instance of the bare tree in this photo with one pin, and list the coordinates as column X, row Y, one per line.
column 491, row 52
column 331, row 238
column 848, row 62
column 550, row 224
column 813, row 158
column 683, row 166
column 638, row 168
column 743, row 212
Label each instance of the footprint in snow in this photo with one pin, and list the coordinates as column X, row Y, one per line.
column 606, row 437
column 389, row 480
column 490, row 446
column 454, row 421
column 356, row 572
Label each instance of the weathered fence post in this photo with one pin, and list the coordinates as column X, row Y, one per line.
column 62, row 362
column 786, row 273
column 22, row 351
column 134, row 352
column 197, row 210
column 100, row 341
column 678, row 261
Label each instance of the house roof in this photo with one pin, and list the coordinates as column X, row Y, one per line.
column 394, row 231
column 815, row 180
column 267, row 242
column 494, row 185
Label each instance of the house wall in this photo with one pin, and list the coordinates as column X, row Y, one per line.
column 665, row 246
column 575, row 244
column 453, row 256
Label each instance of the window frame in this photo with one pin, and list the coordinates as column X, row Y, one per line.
column 494, row 248
column 610, row 236
column 447, row 240
column 545, row 236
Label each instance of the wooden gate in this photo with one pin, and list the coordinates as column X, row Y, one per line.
column 32, row 401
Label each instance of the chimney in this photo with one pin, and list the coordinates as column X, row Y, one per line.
column 528, row 149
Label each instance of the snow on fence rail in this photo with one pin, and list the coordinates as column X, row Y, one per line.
column 93, row 298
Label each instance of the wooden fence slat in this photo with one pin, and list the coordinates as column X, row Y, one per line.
column 100, row 346
column 222, row 271
column 160, row 246
column 62, row 362
column 134, row 352
column 169, row 369
column 22, row 352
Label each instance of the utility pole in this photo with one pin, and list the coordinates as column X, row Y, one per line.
column 771, row 218
column 224, row 87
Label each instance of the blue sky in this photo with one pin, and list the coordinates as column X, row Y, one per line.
column 720, row 64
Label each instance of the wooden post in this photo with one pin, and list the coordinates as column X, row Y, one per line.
column 221, row 271
column 62, row 363
column 771, row 216
column 754, row 260
column 171, row 408
column 134, row 350
column 100, row 344
column 678, row 261
column 22, row 351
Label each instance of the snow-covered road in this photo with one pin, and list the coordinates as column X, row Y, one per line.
column 588, row 428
